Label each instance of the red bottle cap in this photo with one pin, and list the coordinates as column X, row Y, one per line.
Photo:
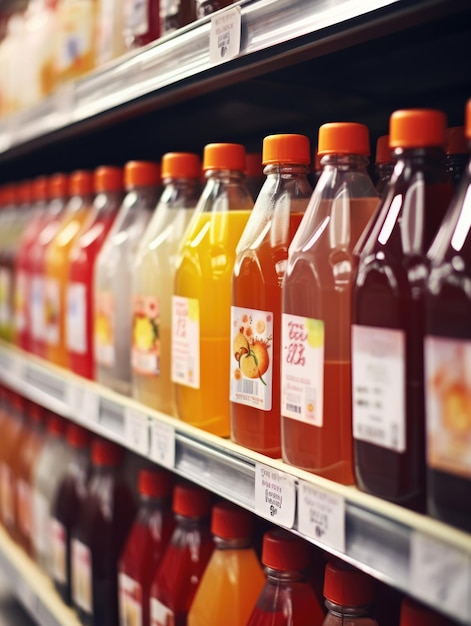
column 415, row 614
column 155, row 483
column 347, row 586
column 55, row 424
column 181, row 165
column 141, row 174
column 106, row 453
column 39, row 189
column 229, row 521
column 81, row 183
column 343, row 138
column 107, row 178
column 190, row 500
column 417, row 128
column 253, row 164
column 224, row 156
column 25, row 192
column 58, row 186
column 456, row 141
column 284, row 551
column 383, row 151
column 77, row 437
column 286, row 149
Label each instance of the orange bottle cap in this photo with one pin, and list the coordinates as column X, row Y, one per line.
column 347, row 586
column 343, row 138
column 181, row 165
column 81, row 183
column 155, row 483
column 58, row 186
column 383, row 151
column 77, row 436
column 39, row 189
column 106, row 453
column 55, row 424
column 468, row 119
column 224, row 156
column 284, row 551
column 190, row 500
column 286, row 149
column 253, row 164
column 107, row 178
column 141, row 174
column 456, row 142
column 417, row 128
column 415, row 614
column 229, row 521
column 25, row 192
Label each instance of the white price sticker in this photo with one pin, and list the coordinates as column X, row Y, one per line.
column 162, row 448
column 440, row 571
column 321, row 516
column 83, row 403
column 224, row 36
column 275, row 495
column 136, row 430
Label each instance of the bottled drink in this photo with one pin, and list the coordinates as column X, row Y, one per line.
column 259, row 270
column 287, row 598
column 205, row 7
column 316, row 357
column 384, row 164
column 202, row 292
column 21, row 296
column 457, row 153
column 109, row 40
column 8, row 246
column 112, row 278
column 141, row 22
column 82, row 260
column 176, row 13
column 388, row 415
column 75, row 45
column 145, row 545
column 185, row 559
column 152, row 282
column 233, row 577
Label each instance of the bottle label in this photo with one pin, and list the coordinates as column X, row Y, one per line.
column 23, row 494
column 378, row 371
column 104, row 329
column 38, row 326
column 52, row 311
column 160, row 615
column 76, row 321
column 136, row 17
column 21, row 299
column 145, row 349
column 59, row 552
column 76, row 35
column 251, row 357
column 448, row 404
column 105, row 31
column 41, row 523
column 186, row 341
column 6, row 479
column 302, row 369
column 81, row 576
column 5, row 297
column 130, row 601
column 169, row 14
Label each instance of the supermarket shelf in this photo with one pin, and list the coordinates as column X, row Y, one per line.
column 415, row 554
column 32, row 588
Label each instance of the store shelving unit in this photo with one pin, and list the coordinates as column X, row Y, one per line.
column 300, row 63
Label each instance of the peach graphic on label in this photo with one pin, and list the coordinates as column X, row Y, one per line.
column 250, row 349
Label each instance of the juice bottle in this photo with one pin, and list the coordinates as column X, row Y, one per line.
column 144, row 547
column 7, row 262
column 107, row 184
column 258, row 274
column 185, row 559
column 141, row 22
column 201, row 304
column 112, row 277
column 109, row 40
column 447, row 349
column 233, row 577
column 56, row 266
column 152, row 281
column 176, row 13
column 413, row 613
column 75, row 46
column 287, row 598
column 388, row 313
column 98, row 537
column 457, row 153
column 316, row 363
column 384, row 164
column 66, row 506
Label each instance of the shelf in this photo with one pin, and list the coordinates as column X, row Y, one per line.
column 413, row 553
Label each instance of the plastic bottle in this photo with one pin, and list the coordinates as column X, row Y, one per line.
column 98, row 537
column 457, row 153
column 205, row 7
column 287, row 598
column 109, row 40
column 141, row 22
column 185, row 559
column 316, row 358
column 145, row 546
column 176, row 13
column 82, row 262
column 349, row 595
column 388, row 310
column 152, row 282
column 259, row 269
column 447, row 346
column 66, row 508
column 202, row 293
column 113, row 274
column 413, row 613
column 56, row 266
column 75, row 48
column 7, row 262
column 233, row 577
column 384, row 164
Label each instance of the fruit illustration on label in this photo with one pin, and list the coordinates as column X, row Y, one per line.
column 250, row 349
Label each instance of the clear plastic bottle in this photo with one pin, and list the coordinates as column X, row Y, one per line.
column 287, row 598
column 259, row 269
column 316, row 403
column 457, row 153
column 113, row 275
column 384, row 162
column 388, row 313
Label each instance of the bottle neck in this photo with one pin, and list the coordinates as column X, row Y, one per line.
column 280, row 576
column 340, row 610
column 286, row 170
column 345, row 162
column 225, row 176
column 233, row 544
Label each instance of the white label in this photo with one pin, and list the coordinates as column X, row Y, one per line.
column 136, row 20
column 321, row 515
column 104, row 330
column 81, row 575
column 83, row 403
column 378, row 371
column 76, row 34
column 52, row 311
column 162, row 448
column 186, row 341
column 440, row 571
column 275, row 495
column 130, row 601
column 145, row 347
column 38, row 320
column 251, row 357
column 136, row 430
column 59, row 552
column 302, row 369
column 76, row 322
column 21, row 300
column 41, row 523
column 160, row 615
column 6, row 479
column 224, row 36
column 5, row 296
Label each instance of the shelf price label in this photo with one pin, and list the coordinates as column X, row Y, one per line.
column 136, row 430
column 321, row 515
column 224, row 35
column 83, row 403
column 275, row 495
column 162, row 444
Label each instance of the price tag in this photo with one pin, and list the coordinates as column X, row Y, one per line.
column 136, row 430
column 275, row 495
column 442, row 572
column 224, row 36
column 321, row 515
column 162, row 448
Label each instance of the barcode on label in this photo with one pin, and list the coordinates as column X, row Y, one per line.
column 293, row 407
column 371, row 431
column 249, row 387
